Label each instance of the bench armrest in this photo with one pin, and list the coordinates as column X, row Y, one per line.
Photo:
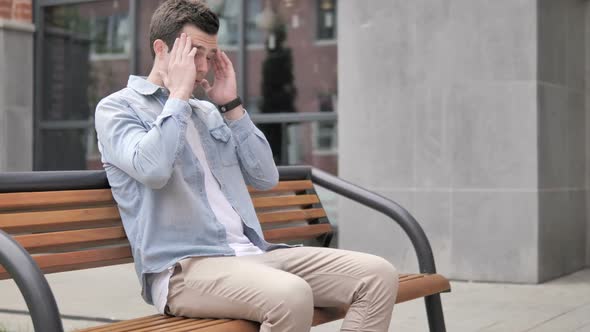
column 31, row 283
column 375, row 201
column 386, row 206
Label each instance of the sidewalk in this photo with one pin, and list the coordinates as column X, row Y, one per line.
column 88, row 297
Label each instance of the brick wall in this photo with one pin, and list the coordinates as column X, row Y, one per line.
column 18, row 10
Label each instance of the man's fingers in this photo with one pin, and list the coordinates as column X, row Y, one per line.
column 173, row 51
column 192, row 53
column 181, row 47
column 187, row 47
column 221, row 60
column 226, row 60
column 205, row 85
column 216, row 66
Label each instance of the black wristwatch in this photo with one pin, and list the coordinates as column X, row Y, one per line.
column 229, row 106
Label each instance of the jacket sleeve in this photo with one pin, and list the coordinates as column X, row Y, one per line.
column 254, row 153
column 146, row 155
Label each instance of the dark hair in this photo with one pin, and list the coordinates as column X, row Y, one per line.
column 172, row 15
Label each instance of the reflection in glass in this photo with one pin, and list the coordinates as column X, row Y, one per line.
column 229, row 11
column 85, row 57
column 326, row 19
column 277, row 86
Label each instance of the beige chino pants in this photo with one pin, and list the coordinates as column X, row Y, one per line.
column 280, row 288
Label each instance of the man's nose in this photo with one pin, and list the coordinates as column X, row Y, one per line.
column 202, row 66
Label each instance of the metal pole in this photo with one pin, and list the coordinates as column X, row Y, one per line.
column 39, row 17
column 32, row 284
column 133, row 21
column 242, row 53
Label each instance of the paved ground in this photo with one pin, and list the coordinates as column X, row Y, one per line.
column 87, row 297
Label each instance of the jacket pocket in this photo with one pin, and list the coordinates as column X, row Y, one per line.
column 225, row 145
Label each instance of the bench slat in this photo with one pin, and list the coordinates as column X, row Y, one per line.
column 297, row 233
column 421, row 285
column 284, row 201
column 36, row 200
column 294, row 215
column 51, row 220
column 71, row 240
column 158, row 324
column 175, row 325
column 127, row 323
column 77, row 260
column 283, row 186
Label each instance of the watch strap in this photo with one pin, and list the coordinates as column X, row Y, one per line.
column 229, row 106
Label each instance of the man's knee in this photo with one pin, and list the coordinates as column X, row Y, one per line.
column 292, row 300
column 383, row 271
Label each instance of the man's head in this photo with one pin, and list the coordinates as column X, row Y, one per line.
column 192, row 17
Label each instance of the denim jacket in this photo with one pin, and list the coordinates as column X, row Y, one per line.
column 158, row 182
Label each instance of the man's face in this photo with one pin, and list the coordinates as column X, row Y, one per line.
column 206, row 49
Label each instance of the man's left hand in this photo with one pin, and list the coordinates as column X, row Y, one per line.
column 224, row 88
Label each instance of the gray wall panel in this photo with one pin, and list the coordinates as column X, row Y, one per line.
column 16, row 96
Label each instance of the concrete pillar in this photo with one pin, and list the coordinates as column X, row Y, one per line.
column 562, row 135
column 16, row 85
column 444, row 107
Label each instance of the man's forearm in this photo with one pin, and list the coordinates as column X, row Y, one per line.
column 254, row 152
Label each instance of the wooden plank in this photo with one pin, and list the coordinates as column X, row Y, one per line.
column 45, row 199
column 78, row 260
column 297, row 233
column 284, row 186
column 421, row 285
column 71, row 240
column 224, row 325
column 293, row 215
column 141, row 326
column 131, row 322
column 186, row 325
column 59, row 219
column 284, row 201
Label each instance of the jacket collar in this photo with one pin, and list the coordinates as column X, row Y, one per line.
column 141, row 85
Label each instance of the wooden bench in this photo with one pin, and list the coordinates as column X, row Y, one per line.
column 64, row 221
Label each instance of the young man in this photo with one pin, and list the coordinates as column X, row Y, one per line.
column 178, row 168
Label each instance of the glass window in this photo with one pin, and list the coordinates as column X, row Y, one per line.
column 110, row 34
column 229, row 11
column 77, row 70
column 326, row 19
column 325, row 138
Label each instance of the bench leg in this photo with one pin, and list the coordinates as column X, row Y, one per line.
column 436, row 320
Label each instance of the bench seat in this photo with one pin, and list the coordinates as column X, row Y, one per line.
column 412, row 286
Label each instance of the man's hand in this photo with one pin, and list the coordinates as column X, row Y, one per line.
column 181, row 74
column 225, row 88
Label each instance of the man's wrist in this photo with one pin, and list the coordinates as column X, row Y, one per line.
column 229, row 105
column 180, row 95
column 234, row 114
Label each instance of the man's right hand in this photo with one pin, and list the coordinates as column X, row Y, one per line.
column 181, row 74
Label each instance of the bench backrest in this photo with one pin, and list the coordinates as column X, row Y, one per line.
column 76, row 229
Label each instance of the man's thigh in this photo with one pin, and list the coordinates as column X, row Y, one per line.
column 333, row 274
column 229, row 287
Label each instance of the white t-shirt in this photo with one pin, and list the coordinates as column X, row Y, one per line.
column 222, row 209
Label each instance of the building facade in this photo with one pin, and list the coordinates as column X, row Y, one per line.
column 108, row 39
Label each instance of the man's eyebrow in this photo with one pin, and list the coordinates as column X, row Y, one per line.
column 202, row 48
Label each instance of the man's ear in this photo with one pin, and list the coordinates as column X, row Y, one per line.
column 160, row 47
